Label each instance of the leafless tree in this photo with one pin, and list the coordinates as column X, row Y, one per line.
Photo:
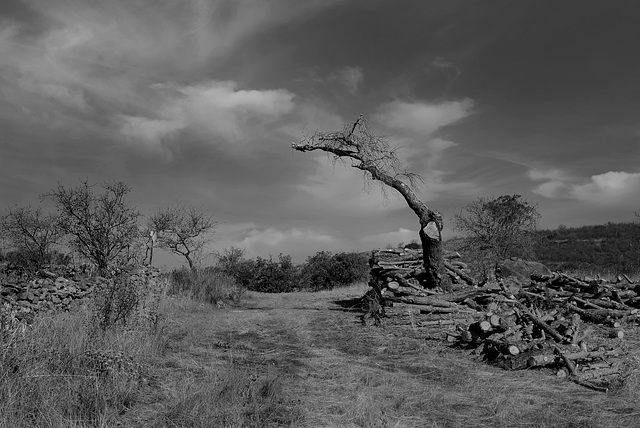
column 498, row 228
column 356, row 145
column 102, row 227
column 183, row 229
column 31, row 231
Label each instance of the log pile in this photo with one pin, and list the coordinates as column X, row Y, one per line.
column 574, row 327
column 400, row 269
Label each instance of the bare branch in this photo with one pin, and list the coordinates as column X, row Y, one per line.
column 183, row 229
column 379, row 162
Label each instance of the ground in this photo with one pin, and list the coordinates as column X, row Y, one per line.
column 306, row 360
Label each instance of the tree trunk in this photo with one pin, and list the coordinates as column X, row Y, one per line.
column 431, row 225
column 431, row 256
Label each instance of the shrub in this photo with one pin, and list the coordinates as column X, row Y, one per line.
column 209, row 285
column 271, row 276
column 28, row 262
column 126, row 301
column 325, row 271
column 233, row 263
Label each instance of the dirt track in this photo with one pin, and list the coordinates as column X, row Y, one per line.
column 337, row 373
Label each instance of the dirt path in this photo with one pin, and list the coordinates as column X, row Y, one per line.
column 314, row 365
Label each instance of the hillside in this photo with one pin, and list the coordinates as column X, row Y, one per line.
column 611, row 247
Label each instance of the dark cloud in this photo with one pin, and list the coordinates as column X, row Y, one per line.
column 200, row 100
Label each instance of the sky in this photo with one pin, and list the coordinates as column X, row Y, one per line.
column 199, row 101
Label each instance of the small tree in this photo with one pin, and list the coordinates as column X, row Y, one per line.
column 184, row 230
column 101, row 227
column 32, row 233
column 357, row 146
column 499, row 227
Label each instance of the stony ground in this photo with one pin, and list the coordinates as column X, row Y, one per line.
column 317, row 366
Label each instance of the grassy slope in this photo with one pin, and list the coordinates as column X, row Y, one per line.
column 299, row 359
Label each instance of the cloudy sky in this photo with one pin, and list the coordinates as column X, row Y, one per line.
column 199, row 101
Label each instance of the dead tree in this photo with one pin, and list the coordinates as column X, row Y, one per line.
column 373, row 155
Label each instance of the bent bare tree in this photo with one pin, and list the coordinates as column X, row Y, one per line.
column 373, row 155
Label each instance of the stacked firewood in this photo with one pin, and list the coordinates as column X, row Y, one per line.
column 572, row 326
column 399, row 269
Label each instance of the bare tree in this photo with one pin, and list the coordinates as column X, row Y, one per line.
column 32, row 232
column 102, row 227
column 359, row 147
column 499, row 227
column 183, row 229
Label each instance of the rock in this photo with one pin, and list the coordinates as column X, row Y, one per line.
column 520, row 269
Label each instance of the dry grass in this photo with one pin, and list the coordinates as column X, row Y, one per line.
column 60, row 373
column 293, row 359
column 330, row 371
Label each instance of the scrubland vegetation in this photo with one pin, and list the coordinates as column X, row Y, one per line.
column 265, row 342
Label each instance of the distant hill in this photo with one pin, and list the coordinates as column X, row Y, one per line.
column 607, row 248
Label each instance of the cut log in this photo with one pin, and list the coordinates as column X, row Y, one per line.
column 495, row 321
column 466, row 277
column 600, row 314
column 503, row 348
column 584, row 355
column 541, row 360
column 443, row 322
column 616, row 333
column 597, row 374
column 568, row 363
column 472, row 304
column 466, row 336
column 393, row 285
column 406, row 291
column 544, row 326
column 440, row 310
column 481, row 326
column 428, row 301
column 586, row 303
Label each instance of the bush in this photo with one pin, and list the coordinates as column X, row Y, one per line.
column 209, row 285
column 325, row 271
column 233, row 263
column 126, row 300
column 28, row 262
column 271, row 276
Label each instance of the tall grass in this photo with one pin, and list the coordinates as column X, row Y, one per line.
column 73, row 369
column 208, row 285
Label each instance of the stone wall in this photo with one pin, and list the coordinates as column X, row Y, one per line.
column 57, row 288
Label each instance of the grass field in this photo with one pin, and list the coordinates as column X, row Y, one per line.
column 302, row 360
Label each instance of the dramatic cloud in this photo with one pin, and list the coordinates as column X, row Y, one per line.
column 608, row 187
column 212, row 109
column 422, row 118
column 112, row 60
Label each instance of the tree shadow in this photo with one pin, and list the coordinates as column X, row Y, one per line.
column 354, row 304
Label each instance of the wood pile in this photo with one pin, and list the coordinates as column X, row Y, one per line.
column 575, row 327
column 398, row 269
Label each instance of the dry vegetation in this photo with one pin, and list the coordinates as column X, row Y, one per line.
column 291, row 359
